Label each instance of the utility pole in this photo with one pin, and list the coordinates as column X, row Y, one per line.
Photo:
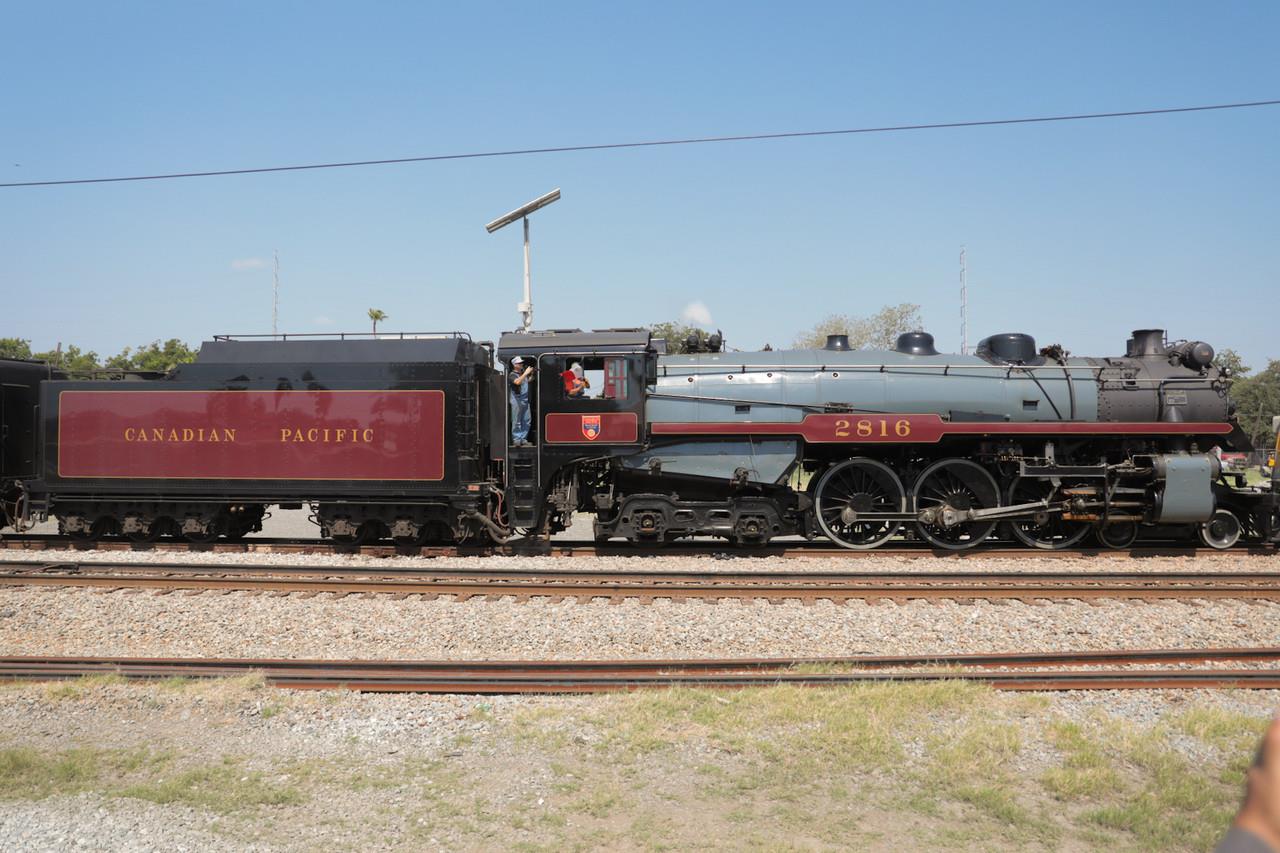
column 275, row 293
column 964, row 308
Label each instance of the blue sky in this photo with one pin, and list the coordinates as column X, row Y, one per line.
column 1076, row 232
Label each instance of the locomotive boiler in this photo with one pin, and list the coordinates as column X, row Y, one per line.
column 855, row 445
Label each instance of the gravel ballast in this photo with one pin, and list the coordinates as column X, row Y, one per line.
column 76, row 621
column 265, row 730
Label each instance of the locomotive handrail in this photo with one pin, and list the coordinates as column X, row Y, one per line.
column 715, row 368
column 1026, row 374
column 343, row 336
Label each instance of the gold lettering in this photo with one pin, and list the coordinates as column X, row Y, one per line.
column 142, row 435
column 157, row 434
column 341, row 434
column 201, row 431
column 173, row 435
column 864, row 429
column 213, row 435
column 367, row 436
column 228, row 434
column 188, row 434
column 128, row 434
column 298, row 436
column 326, row 436
column 842, row 428
column 902, row 428
column 313, row 434
column 284, row 433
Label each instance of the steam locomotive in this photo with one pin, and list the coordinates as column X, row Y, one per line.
column 407, row 437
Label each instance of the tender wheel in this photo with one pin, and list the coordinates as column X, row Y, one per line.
column 203, row 537
column 429, row 533
column 956, row 484
column 1221, row 531
column 151, row 534
column 368, row 531
column 1120, row 534
column 858, row 486
column 1044, row 530
column 101, row 527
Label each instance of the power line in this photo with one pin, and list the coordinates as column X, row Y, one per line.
column 650, row 144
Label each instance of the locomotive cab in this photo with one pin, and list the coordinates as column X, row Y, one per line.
column 600, row 416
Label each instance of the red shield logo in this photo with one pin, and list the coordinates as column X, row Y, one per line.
column 591, row 427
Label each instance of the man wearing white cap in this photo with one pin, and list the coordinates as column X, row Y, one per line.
column 521, row 376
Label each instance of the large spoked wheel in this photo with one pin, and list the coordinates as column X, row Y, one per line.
column 957, row 484
column 1044, row 530
column 853, row 487
column 1222, row 530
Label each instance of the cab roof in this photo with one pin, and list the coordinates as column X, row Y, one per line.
column 575, row 341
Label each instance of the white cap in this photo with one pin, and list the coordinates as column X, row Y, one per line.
column 517, row 360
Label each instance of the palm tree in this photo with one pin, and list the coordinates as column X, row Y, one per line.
column 377, row 317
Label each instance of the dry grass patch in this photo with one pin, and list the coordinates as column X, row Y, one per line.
column 1141, row 785
column 31, row 774
column 963, row 765
column 225, row 787
column 938, row 765
column 140, row 773
column 78, row 688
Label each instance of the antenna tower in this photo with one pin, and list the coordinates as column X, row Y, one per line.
column 275, row 292
column 964, row 308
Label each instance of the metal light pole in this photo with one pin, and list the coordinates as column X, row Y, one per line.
column 275, row 294
column 525, row 307
column 964, row 307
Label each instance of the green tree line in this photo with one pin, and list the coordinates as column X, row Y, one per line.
column 1256, row 395
column 155, row 356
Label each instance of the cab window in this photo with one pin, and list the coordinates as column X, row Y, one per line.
column 602, row 378
column 616, row 383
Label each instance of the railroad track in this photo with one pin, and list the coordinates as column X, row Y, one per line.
column 568, row 548
column 1159, row 669
column 465, row 583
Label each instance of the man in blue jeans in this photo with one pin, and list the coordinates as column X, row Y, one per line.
column 521, row 378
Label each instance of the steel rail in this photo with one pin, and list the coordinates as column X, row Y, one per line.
column 566, row 548
column 434, row 572
column 1006, row 671
column 923, row 586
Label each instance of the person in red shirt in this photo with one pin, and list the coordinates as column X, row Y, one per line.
column 575, row 383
